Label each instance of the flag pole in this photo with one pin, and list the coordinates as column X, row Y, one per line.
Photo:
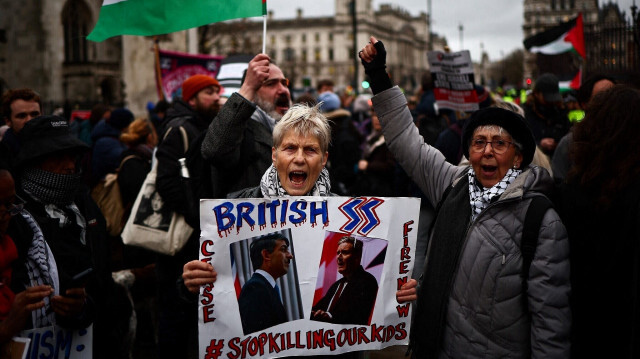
column 156, row 52
column 264, row 33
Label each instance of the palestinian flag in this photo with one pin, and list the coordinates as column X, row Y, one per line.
column 147, row 18
column 565, row 37
column 560, row 51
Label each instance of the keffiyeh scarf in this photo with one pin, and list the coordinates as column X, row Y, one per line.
column 42, row 269
column 480, row 197
column 271, row 187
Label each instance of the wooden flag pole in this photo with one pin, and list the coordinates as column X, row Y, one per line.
column 156, row 52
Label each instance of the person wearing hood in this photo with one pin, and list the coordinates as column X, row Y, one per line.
column 60, row 233
column 107, row 147
column 475, row 300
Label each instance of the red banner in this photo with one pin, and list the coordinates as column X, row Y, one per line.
column 175, row 67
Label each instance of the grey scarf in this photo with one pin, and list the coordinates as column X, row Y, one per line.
column 50, row 187
column 270, row 184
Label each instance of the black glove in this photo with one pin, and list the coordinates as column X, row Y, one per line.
column 379, row 62
column 376, row 70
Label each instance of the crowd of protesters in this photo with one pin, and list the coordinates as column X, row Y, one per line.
column 581, row 293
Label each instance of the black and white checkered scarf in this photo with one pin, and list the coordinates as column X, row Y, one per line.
column 271, row 187
column 480, row 197
column 49, row 187
column 42, row 270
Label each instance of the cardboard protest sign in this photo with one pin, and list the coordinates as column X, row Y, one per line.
column 313, row 308
column 58, row 343
column 453, row 80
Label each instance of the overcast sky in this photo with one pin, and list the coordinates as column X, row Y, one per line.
column 494, row 24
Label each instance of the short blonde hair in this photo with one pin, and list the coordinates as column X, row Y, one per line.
column 304, row 120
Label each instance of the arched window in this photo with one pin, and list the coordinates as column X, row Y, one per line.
column 76, row 20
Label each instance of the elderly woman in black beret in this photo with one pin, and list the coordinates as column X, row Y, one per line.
column 478, row 297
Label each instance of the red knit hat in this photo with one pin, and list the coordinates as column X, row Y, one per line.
column 195, row 83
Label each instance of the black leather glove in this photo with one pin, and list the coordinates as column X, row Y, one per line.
column 376, row 70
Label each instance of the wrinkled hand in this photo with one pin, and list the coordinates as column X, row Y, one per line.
column 196, row 274
column 407, row 292
column 257, row 73
column 373, row 56
column 24, row 302
column 71, row 304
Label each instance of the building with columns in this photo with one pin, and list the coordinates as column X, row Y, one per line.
column 309, row 49
column 43, row 46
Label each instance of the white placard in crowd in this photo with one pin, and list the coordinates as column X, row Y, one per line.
column 386, row 229
column 58, row 343
column 453, row 80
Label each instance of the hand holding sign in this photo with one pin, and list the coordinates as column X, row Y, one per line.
column 407, row 292
column 196, row 274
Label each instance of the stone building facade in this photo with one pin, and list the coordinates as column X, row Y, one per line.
column 43, row 47
column 309, row 49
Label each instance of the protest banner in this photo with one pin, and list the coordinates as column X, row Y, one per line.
column 175, row 67
column 363, row 317
column 58, row 343
column 453, row 80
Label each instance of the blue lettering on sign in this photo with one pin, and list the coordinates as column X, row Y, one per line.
column 224, row 218
column 229, row 215
column 323, row 211
column 301, row 215
column 244, row 209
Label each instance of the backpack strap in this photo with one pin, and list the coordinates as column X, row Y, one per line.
column 530, row 232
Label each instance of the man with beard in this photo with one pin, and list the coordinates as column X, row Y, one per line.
column 546, row 115
column 238, row 142
column 177, row 329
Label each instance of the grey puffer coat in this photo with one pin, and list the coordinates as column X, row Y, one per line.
column 485, row 315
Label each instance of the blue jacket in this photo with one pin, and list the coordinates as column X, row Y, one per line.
column 107, row 150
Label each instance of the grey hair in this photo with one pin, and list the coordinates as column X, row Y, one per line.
column 501, row 132
column 304, row 120
column 357, row 245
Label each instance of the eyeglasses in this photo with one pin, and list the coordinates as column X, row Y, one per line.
column 274, row 82
column 498, row 146
column 13, row 208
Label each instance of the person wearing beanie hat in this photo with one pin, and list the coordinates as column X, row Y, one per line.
column 478, row 298
column 192, row 114
column 195, row 83
column 330, row 101
column 107, row 147
column 546, row 114
column 61, row 233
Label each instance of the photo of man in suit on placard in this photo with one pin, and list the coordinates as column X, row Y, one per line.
column 350, row 299
column 260, row 299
